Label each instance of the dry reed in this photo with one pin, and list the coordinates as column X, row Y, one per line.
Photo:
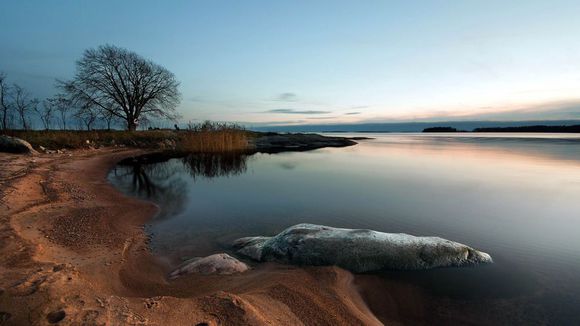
column 213, row 137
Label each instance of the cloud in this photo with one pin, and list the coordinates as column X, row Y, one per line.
column 352, row 113
column 292, row 111
column 286, row 97
column 556, row 110
column 550, row 110
column 321, row 118
column 272, row 123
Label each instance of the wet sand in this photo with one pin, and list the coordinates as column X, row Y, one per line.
column 74, row 251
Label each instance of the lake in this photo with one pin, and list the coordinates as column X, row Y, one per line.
column 514, row 196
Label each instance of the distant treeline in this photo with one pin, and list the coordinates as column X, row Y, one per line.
column 537, row 128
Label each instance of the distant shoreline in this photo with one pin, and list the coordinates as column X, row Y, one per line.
column 398, row 127
column 521, row 129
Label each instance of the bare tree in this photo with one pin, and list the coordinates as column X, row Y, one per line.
column 62, row 105
column 87, row 115
column 5, row 107
column 124, row 84
column 46, row 112
column 108, row 117
column 23, row 105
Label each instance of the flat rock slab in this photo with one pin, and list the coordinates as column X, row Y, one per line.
column 273, row 143
column 358, row 250
column 15, row 145
column 222, row 264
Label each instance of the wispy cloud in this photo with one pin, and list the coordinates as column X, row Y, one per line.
column 321, row 118
column 549, row 110
column 352, row 113
column 272, row 123
column 286, row 97
column 292, row 111
column 567, row 109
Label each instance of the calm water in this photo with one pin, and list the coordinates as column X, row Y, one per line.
column 516, row 197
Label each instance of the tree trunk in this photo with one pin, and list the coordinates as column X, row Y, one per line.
column 23, row 120
column 131, row 126
column 5, row 120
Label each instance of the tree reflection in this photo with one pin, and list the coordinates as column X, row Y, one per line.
column 142, row 184
column 157, row 182
column 163, row 180
column 212, row 165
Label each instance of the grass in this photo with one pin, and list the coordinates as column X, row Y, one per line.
column 203, row 138
column 72, row 139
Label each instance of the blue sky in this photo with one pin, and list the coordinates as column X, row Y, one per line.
column 313, row 62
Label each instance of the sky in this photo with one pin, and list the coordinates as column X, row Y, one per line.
column 317, row 62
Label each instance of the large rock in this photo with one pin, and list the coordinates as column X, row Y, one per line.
column 358, row 250
column 222, row 264
column 15, row 145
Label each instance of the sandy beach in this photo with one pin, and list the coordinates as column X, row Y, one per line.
column 74, row 252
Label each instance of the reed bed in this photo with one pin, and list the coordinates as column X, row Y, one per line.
column 213, row 137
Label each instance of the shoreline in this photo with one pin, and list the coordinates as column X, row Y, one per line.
column 75, row 250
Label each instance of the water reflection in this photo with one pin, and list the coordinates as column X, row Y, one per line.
column 514, row 198
column 212, row 165
column 163, row 180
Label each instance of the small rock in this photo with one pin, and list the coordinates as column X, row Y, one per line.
column 58, row 268
column 222, row 264
column 55, row 316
